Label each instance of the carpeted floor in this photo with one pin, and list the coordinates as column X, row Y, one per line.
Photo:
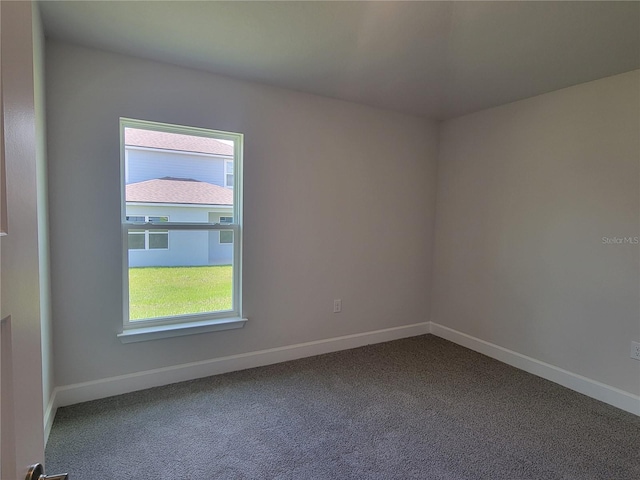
column 415, row 408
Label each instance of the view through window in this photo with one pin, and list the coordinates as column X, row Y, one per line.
column 181, row 195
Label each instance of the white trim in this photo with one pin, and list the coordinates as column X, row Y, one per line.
column 592, row 388
column 93, row 390
column 236, row 209
column 238, row 216
column 49, row 415
column 141, row 331
column 180, row 226
column 182, row 129
column 106, row 387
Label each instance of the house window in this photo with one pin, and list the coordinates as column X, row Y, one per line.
column 196, row 283
column 146, row 239
column 226, row 236
column 228, row 173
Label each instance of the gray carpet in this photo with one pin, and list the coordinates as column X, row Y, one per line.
column 415, row 408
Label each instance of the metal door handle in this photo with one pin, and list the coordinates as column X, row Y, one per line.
column 36, row 472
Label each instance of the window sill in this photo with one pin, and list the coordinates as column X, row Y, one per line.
column 142, row 334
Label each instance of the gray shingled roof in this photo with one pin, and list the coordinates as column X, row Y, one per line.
column 178, row 190
column 137, row 137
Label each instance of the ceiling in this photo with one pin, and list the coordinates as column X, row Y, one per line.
column 434, row 59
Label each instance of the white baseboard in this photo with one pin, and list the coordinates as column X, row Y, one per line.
column 106, row 387
column 592, row 388
column 93, row 390
column 49, row 415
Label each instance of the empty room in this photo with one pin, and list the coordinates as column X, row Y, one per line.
column 320, row 240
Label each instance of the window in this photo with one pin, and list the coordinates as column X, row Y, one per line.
column 195, row 285
column 226, row 236
column 228, row 173
column 145, row 239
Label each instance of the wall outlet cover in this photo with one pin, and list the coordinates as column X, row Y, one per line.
column 337, row 305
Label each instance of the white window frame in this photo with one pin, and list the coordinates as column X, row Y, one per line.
column 146, row 234
column 162, row 327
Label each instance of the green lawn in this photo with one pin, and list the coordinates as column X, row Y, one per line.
column 164, row 291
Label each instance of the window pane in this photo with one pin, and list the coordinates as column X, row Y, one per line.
column 136, row 219
column 158, row 219
column 158, row 240
column 136, row 241
column 226, row 219
column 229, row 180
column 194, row 276
column 226, row 236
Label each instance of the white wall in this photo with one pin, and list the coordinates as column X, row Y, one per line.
column 526, row 192
column 339, row 203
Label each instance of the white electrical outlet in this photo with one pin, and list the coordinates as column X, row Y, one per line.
column 635, row 350
column 337, row 305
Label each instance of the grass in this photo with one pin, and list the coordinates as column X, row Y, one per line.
column 165, row 291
